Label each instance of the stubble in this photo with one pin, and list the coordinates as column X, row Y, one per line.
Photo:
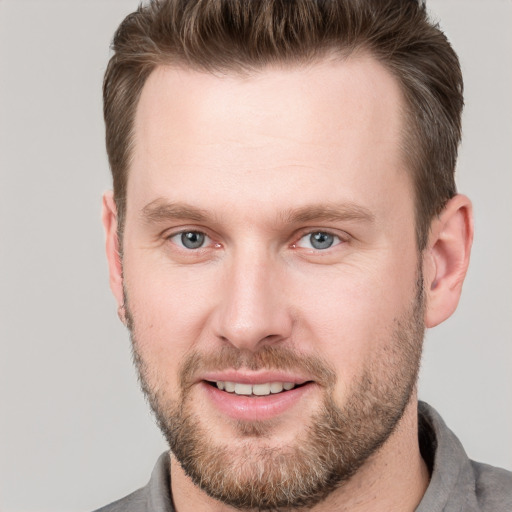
column 330, row 449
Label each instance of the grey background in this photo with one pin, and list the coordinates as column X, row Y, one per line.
column 75, row 432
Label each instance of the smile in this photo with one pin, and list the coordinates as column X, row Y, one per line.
column 262, row 399
column 263, row 389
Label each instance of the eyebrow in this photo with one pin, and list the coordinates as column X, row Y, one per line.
column 329, row 212
column 161, row 210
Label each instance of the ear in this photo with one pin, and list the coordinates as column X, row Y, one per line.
column 109, row 218
column 446, row 259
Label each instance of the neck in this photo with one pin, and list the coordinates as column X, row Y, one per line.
column 394, row 478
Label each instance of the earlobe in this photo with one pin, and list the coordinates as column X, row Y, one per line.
column 109, row 218
column 446, row 259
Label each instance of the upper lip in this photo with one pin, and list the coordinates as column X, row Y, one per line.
column 248, row 377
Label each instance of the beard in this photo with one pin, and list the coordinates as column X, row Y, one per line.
column 331, row 447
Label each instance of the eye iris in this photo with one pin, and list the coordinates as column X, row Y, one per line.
column 321, row 240
column 192, row 239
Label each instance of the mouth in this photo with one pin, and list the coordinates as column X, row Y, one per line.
column 255, row 390
column 250, row 398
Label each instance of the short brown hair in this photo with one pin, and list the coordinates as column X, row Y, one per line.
column 246, row 35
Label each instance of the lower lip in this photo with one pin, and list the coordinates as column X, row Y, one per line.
column 255, row 408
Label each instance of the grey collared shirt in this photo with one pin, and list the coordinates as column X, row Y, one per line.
column 457, row 483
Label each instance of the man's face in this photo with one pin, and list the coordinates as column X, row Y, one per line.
column 269, row 243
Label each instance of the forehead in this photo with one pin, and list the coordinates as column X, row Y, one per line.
column 331, row 123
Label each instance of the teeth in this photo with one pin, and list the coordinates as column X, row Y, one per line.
column 276, row 387
column 243, row 389
column 261, row 389
column 255, row 389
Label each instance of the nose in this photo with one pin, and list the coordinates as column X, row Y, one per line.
column 253, row 309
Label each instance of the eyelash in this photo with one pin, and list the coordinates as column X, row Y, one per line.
column 190, row 231
column 338, row 239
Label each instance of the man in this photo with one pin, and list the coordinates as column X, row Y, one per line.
column 283, row 227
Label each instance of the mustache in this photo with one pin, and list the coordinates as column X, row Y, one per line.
column 229, row 357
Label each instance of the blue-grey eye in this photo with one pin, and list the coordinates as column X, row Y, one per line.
column 318, row 240
column 321, row 240
column 192, row 239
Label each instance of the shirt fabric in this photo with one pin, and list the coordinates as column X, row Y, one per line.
column 457, row 484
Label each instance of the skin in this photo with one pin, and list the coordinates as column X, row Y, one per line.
column 247, row 152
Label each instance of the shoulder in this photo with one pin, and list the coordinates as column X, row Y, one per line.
column 458, row 483
column 134, row 502
column 154, row 497
column 493, row 487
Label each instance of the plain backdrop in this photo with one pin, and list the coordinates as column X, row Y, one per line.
column 75, row 432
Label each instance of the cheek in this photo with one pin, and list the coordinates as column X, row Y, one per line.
column 170, row 310
column 349, row 318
